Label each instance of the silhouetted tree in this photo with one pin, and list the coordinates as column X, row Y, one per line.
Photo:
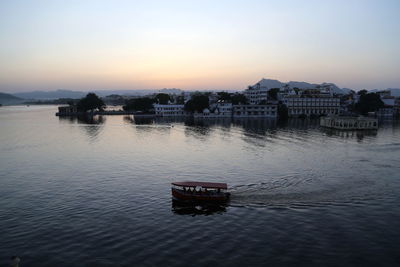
column 224, row 96
column 362, row 92
column 238, row 99
column 162, row 98
column 283, row 112
column 197, row 103
column 144, row 104
column 90, row 102
column 369, row 102
column 180, row 100
column 273, row 93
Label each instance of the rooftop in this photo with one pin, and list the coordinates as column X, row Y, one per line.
column 202, row 184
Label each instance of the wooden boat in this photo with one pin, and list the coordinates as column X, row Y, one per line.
column 200, row 192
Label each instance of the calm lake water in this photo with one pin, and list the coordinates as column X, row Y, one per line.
column 97, row 193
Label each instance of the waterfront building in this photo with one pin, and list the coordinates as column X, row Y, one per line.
column 169, row 110
column 67, row 110
column 255, row 111
column 256, row 94
column 349, row 123
column 204, row 114
column 389, row 101
column 220, row 109
column 396, row 108
column 311, row 102
column 386, row 112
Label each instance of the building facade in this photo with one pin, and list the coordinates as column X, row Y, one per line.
column 396, row 108
column 256, row 94
column 386, row 112
column 255, row 111
column 169, row 110
column 311, row 105
column 349, row 123
column 222, row 108
column 67, row 110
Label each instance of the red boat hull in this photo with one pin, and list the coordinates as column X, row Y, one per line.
column 199, row 196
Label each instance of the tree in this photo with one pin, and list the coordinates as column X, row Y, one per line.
column 198, row 102
column 90, row 102
column 144, row 104
column 180, row 100
column 283, row 112
column 362, row 92
column 162, row 98
column 369, row 102
column 273, row 93
column 224, row 96
column 238, row 99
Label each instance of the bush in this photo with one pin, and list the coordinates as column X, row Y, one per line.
column 198, row 103
column 283, row 112
column 144, row 104
column 368, row 103
column 90, row 102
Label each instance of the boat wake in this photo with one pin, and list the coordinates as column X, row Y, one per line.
column 267, row 195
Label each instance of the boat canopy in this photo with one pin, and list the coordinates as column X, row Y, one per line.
column 202, row 184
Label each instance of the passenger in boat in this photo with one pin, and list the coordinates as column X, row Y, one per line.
column 14, row 261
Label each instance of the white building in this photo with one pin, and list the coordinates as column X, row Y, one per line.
column 256, row 94
column 396, row 107
column 349, row 123
column 389, row 101
column 255, row 111
column 169, row 110
column 220, row 109
column 314, row 101
column 302, row 105
column 386, row 112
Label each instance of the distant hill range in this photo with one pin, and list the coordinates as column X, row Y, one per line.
column 8, row 99
column 46, row 95
column 18, row 98
column 35, row 95
column 393, row 91
column 269, row 83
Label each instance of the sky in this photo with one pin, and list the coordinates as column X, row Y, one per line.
column 194, row 45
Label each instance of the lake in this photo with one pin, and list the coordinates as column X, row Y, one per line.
column 96, row 192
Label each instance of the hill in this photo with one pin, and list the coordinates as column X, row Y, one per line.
column 270, row 83
column 36, row 95
column 49, row 95
column 8, row 99
column 393, row 91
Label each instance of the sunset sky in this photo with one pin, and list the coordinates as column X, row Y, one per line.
column 94, row 45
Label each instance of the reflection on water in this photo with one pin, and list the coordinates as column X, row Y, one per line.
column 98, row 119
column 143, row 121
column 92, row 125
column 181, row 208
column 301, row 195
column 359, row 134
